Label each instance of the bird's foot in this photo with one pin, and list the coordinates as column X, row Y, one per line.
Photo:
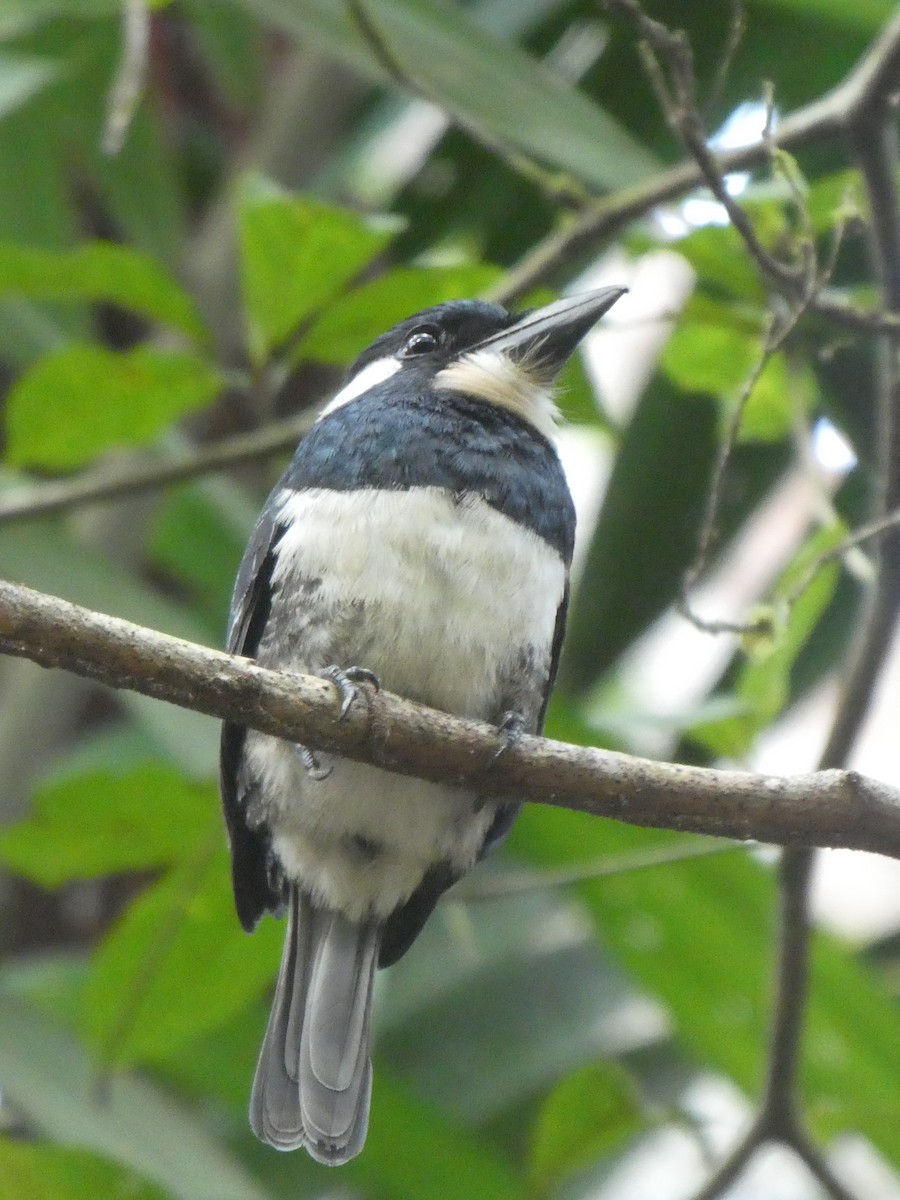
column 311, row 763
column 510, row 728
column 345, row 679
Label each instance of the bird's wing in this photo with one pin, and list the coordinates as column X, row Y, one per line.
column 507, row 813
column 253, row 890
column 559, row 633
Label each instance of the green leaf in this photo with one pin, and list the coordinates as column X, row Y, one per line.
column 718, row 256
column 697, row 934
column 710, row 358
column 584, row 1118
column 414, row 1153
column 355, row 320
column 99, row 271
column 194, row 540
column 645, row 536
column 45, row 1172
column 578, row 399
column 139, row 190
column 849, row 1073
column 234, row 47
column 503, row 960
column 100, row 823
column 778, row 396
column 866, row 15
column 489, row 82
column 47, row 555
column 50, row 1078
column 83, row 400
column 763, row 683
column 836, row 198
column 297, row 254
column 177, row 964
column 718, row 359
column 21, row 78
column 19, row 15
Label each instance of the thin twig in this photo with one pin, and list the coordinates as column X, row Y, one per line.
column 779, row 1117
column 513, row 883
column 731, row 1168
column 862, row 111
column 863, row 533
column 778, row 330
column 737, row 27
column 144, row 474
column 670, row 66
column 811, row 1155
column 774, row 336
column 825, row 119
column 131, row 74
column 562, row 251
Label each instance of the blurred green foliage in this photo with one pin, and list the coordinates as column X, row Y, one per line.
column 221, row 270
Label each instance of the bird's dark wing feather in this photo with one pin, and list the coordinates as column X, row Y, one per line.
column 250, row 847
column 559, row 633
column 507, row 813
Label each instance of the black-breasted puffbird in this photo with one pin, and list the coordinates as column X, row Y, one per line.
column 421, row 536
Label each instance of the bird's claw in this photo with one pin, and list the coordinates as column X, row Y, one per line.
column 311, row 764
column 510, row 729
column 345, row 680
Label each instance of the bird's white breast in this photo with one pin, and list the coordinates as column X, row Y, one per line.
column 450, row 595
column 448, row 588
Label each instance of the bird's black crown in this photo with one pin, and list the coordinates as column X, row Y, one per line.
column 439, row 334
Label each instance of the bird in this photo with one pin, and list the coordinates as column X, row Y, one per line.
column 420, row 540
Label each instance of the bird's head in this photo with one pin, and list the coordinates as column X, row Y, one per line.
column 481, row 350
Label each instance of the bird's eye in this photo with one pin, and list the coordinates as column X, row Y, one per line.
column 422, row 341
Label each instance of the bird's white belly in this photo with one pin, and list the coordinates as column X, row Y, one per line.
column 449, row 594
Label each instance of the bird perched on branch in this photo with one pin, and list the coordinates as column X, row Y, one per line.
column 420, row 538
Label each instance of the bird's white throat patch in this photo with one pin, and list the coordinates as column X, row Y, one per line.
column 482, row 373
column 496, row 378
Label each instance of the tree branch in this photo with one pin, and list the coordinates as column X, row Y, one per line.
column 142, row 474
column 828, row 808
column 827, row 118
column 860, row 110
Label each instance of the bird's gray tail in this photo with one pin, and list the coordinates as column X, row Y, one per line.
column 314, row 1077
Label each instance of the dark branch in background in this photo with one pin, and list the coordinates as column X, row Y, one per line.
column 861, row 109
column 827, row 118
column 511, row 883
column 669, row 63
column 562, row 251
column 145, row 474
column 832, row 808
column 737, row 25
column 777, row 331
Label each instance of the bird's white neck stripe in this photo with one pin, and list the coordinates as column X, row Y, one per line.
column 373, row 373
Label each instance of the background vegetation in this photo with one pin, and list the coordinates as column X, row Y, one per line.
column 205, row 211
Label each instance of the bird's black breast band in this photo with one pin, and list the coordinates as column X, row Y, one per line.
column 445, row 440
